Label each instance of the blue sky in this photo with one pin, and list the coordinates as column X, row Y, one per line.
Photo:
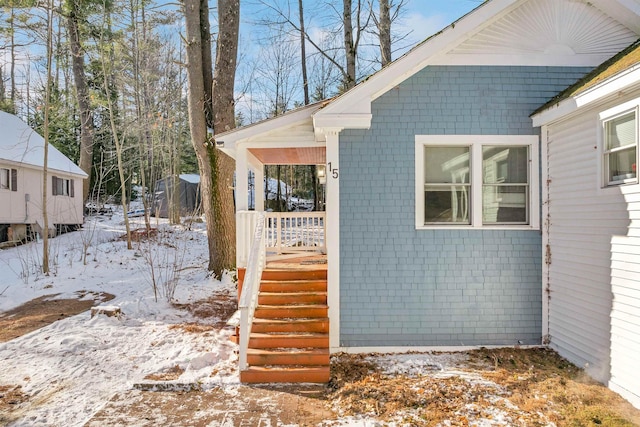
column 425, row 17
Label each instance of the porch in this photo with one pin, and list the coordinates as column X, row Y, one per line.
column 283, row 258
column 283, row 328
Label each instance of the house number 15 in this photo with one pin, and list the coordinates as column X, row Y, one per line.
column 334, row 171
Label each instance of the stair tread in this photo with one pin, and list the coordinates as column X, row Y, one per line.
column 286, row 306
column 288, row 293
column 319, row 368
column 287, row 334
column 275, row 351
column 291, row 320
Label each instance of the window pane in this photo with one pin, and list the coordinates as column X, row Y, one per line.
column 4, row 178
column 621, row 131
column 505, row 165
column 622, row 165
column 505, row 204
column 447, row 203
column 444, row 165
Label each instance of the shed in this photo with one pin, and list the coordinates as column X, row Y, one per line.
column 189, row 188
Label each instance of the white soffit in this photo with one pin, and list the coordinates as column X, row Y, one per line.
column 550, row 32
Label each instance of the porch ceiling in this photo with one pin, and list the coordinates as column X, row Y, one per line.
column 290, row 156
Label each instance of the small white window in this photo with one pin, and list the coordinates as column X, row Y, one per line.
column 62, row 187
column 620, row 149
column 5, row 179
column 476, row 181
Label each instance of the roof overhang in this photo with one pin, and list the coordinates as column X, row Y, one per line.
column 289, row 139
column 493, row 22
column 615, row 86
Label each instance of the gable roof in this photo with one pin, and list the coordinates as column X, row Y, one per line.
column 501, row 32
column 22, row 145
column 620, row 62
column 620, row 72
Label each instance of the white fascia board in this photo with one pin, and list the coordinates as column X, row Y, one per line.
column 613, row 86
column 358, row 100
column 342, row 121
column 226, row 141
column 50, row 170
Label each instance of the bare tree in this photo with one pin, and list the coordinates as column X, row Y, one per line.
column 216, row 169
column 389, row 11
column 45, row 169
column 224, row 120
column 303, row 54
column 82, row 93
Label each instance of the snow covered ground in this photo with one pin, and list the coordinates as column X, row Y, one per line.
column 72, row 368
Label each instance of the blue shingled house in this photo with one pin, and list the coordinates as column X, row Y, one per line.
column 432, row 229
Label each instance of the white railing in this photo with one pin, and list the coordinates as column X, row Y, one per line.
column 245, row 227
column 295, row 232
column 251, row 284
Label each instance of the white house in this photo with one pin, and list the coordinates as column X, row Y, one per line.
column 591, row 214
column 21, row 183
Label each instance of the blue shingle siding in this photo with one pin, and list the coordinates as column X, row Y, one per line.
column 405, row 287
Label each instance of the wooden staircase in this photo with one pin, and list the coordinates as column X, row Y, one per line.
column 289, row 339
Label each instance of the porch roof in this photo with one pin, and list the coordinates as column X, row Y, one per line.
column 289, row 139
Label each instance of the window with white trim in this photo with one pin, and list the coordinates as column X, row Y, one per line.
column 62, row 187
column 476, row 181
column 8, row 179
column 620, row 149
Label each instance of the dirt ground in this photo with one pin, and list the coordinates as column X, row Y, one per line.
column 519, row 387
column 43, row 311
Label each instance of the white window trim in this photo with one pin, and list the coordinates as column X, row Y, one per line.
column 4, row 170
column 604, row 116
column 475, row 142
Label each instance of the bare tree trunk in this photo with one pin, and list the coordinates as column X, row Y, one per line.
column 384, row 32
column 45, row 161
column 349, row 45
column 82, row 94
column 205, row 152
column 303, row 55
column 224, row 119
column 108, row 75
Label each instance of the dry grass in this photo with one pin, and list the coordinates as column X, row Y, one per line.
column 533, row 387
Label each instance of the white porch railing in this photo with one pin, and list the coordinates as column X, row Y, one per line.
column 285, row 232
column 251, row 284
column 290, row 232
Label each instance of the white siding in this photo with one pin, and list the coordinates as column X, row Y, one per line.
column 594, row 274
column 18, row 208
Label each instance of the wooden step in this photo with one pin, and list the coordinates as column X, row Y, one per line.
column 307, row 357
column 319, row 325
column 293, row 285
column 275, row 274
column 310, row 374
column 260, row 340
column 289, row 298
column 291, row 311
